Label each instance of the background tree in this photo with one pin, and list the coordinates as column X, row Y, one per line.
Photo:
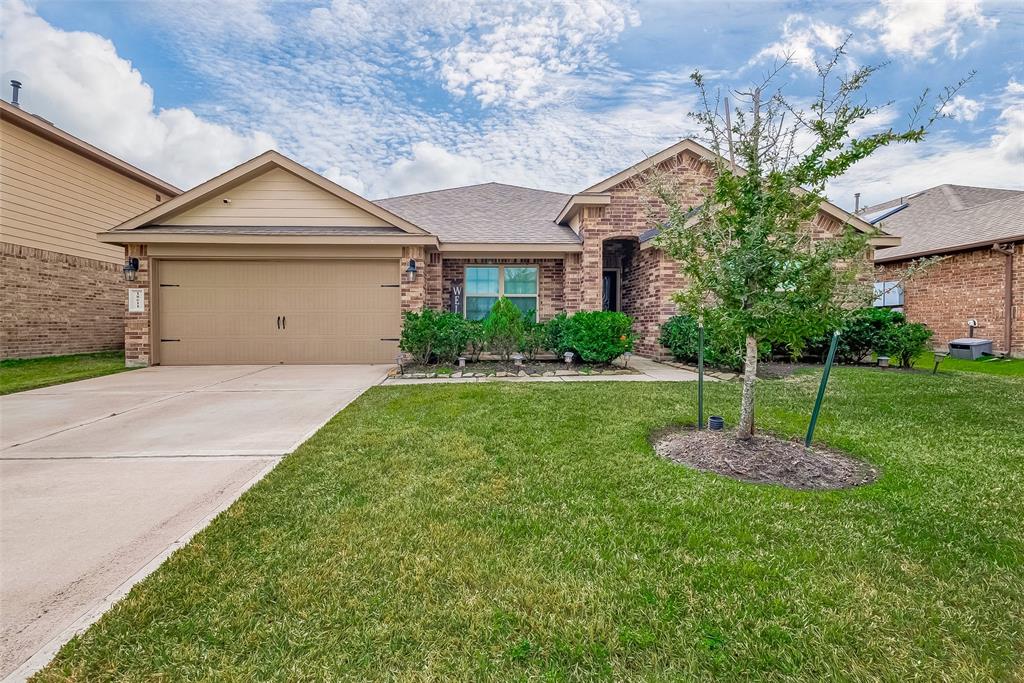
column 747, row 250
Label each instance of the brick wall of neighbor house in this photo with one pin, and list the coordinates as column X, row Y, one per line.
column 550, row 295
column 964, row 285
column 53, row 304
column 137, row 347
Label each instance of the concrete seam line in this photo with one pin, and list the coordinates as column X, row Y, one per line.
column 44, row 654
column 133, row 408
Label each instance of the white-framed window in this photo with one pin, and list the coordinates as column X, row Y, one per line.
column 889, row 294
column 486, row 284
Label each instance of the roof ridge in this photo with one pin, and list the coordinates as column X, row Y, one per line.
column 466, row 187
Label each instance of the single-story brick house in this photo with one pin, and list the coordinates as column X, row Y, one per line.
column 62, row 289
column 273, row 263
column 977, row 233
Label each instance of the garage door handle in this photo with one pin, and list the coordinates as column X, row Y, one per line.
column 284, row 322
column 278, row 322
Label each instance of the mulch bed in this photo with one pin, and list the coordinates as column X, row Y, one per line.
column 765, row 459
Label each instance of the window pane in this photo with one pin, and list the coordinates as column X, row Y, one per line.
column 894, row 295
column 879, row 294
column 477, row 307
column 520, row 280
column 482, row 280
column 526, row 304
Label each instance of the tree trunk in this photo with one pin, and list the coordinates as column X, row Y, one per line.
column 746, row 428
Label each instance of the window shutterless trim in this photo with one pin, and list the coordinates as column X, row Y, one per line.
column 501, row 287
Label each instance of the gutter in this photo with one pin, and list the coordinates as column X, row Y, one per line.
column 1007, row 251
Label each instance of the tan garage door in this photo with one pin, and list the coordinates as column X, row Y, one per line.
column 315, row 311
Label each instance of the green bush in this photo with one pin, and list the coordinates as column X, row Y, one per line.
column 534, row 339
column 554, row 334
column 599, row 336
column 864, row 331
column 721, row 349
column 475, row 339
column 503, row 328
column 431, row 335
column 905, row 342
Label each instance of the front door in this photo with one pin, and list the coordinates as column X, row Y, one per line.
column 610, row 291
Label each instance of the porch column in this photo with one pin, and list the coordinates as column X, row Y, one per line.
column 137, row 325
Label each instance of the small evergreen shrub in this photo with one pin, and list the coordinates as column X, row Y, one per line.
column 905, row 342
column 503, row 328
column 599, row 336
column 721, row 349
column 431, row 335
column 475, row 340
column 534, row 338
column 554, row 334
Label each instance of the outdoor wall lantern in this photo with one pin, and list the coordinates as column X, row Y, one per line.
column 131, row 267
column 411, row 270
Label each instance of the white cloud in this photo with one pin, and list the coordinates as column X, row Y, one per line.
column 522, row 59
column 903, row 170
column 78, row 81
column 805, row 42
column 963, row 108
column 918, row 27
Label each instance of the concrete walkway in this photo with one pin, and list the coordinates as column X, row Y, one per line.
column 100, row 480
column 647, row 371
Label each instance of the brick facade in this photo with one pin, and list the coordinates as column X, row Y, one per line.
column 414, row 291
column 550, row 285
column 54, row 304
column 137, row 341
column 962, row 286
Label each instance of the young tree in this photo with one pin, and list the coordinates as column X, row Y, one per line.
column 748, row 249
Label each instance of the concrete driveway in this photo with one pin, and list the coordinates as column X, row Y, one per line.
column 101, row 480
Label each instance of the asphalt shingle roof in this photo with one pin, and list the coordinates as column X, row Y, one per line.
column 491, row 212
column 947, row 218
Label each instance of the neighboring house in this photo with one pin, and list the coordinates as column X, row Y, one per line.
column 62, row 289
column 977, row 234
column 272, row 263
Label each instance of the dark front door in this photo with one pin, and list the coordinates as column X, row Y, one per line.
column 610, row 290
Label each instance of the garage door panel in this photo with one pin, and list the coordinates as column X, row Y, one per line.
column 337, row 311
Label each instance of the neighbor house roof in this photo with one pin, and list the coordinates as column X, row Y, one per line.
column 45, row 129
column 948, row 218
column 492, row 213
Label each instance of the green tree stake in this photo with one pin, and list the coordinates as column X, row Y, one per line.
column 700, row 375
column 821, row 388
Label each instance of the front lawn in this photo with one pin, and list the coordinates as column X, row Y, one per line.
column 527, row 531
column 34, row 373
column 988, row 366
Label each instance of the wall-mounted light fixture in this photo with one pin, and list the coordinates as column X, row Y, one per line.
column 131, row 267
column 411, row 270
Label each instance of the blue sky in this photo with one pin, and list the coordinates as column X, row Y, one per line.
column 394, row 96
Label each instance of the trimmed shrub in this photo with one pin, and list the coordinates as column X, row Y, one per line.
column 599, row 336
column 534, row 338
column 554, row 334
column 475, row 340
column 431, row 335
column 721, row 349
column 503, row 328
column 864, row 331
column 905, row 342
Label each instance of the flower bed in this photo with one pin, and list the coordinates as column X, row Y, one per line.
column 496, row 368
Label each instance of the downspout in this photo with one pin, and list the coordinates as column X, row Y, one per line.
column 1007, row 250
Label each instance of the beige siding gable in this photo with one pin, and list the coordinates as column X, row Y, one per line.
column 54, row 199
column 276, row 198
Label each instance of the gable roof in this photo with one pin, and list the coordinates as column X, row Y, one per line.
column 247, row 171
column 487, row 213
column 690, row 145
column 948, row 218
column 48, row 131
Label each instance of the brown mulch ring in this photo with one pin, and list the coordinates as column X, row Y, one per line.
column 765, row 459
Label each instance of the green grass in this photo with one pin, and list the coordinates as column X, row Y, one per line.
column 989, row 366
column 33, row 373
column 527, row 531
